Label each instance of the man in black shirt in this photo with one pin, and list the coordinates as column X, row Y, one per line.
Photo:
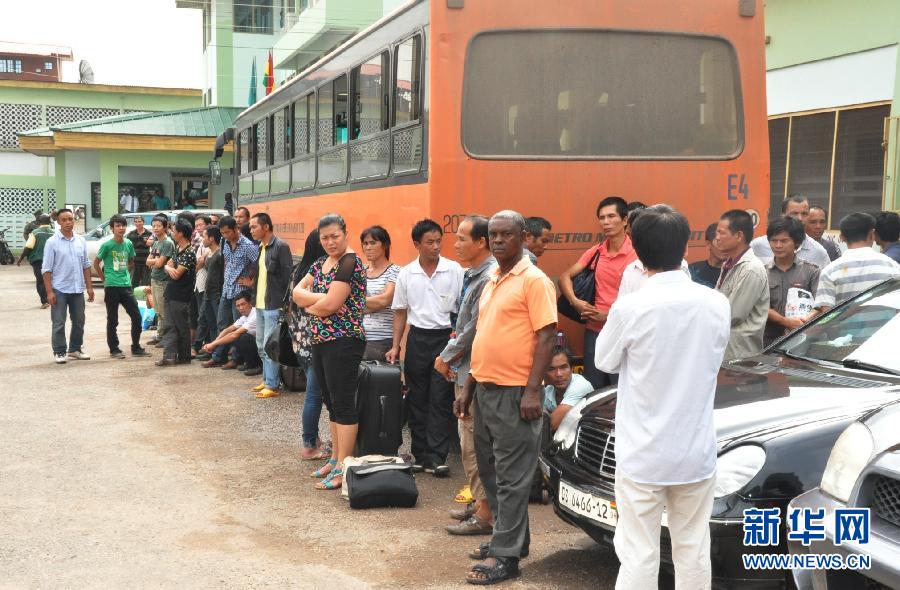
column 215, row 271
column 706, row 272
column 140, row 239
column 179, row 292
column 242, row 216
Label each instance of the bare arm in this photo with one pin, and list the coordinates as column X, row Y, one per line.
column 558, row 414
column 399, row 327
column 331, row 302
column 531, row 406
column 99, row 270
column 381, row 301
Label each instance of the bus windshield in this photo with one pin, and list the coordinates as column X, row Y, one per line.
column 601, row 94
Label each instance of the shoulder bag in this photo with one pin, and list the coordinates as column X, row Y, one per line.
column 584, row 284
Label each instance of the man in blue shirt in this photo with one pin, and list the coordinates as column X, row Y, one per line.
column 563, row 388
column 67, row 275
column 887, row 234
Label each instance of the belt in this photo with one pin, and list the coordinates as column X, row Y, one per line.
column 432, row 331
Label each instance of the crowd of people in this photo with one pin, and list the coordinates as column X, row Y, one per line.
column 478, row 337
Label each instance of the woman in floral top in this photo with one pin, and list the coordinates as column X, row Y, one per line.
column 334, row 294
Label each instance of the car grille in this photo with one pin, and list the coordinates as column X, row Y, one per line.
column 886, row 499
column 595, row 447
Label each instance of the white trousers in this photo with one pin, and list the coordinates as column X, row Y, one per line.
column 688, row 508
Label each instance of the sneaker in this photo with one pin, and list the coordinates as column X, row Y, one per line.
column 440, row 471
column 153, row 342
column 253, row 371
column 116, row 354
column 79, row 355
column 139, row 352
column 210, row 364
column 59, row 359
column 45, row 305
column 268, row 393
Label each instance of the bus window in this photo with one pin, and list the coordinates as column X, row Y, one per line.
column 301, row 127
column 340, row 110
column 601, row 94
column 244, row 151
column 370, row 107
column 278, row 137
column 260, row 132
column 407, row 86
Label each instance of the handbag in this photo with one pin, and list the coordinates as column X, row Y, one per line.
column 280, row 346
column 584, row 285
column 382, row 486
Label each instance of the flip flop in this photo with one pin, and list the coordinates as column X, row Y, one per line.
column 464, row 496
column 318, row 472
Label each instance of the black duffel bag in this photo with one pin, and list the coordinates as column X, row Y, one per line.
column 584, row 285
column 381, row 486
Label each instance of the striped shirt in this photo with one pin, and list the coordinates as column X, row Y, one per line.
column 851, row 274
column 380, row 325
column 238, row 262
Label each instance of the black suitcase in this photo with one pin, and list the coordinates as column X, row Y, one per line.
column 382, row 486
column 294, row 378
column 379, row 400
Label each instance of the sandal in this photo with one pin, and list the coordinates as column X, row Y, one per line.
column 328, row 482
column 318, row 454
column 484, row 548
column 464, row 496
column 506, row 568
column 320, row 472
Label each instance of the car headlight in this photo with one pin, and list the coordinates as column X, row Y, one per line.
column 851, row 453
column 735, row 468
column 568, row 429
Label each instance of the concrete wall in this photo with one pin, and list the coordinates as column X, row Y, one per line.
column 94, row 96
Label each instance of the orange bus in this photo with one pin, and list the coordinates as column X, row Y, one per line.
column 445, row 108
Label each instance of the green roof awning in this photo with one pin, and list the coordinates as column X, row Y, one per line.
column 197, row 122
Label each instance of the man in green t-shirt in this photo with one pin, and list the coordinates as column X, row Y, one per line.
column 161, row 251
column 117, row 258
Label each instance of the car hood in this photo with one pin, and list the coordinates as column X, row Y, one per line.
column 767, row 394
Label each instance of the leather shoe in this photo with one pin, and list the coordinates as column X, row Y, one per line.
column 166, row 363
column 472, row 526
column 230, row 365
column 464, row 513
column 253, row 371
column 210, row 364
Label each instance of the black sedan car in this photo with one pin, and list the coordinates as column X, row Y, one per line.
column 777, row 416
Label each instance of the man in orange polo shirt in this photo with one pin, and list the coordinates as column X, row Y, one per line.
column 511, row 352
column 610, row 260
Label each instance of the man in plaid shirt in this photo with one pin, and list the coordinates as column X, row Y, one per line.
column 240, row 254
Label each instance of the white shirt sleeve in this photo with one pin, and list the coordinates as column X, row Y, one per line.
column 611, row 342
column 400, row 299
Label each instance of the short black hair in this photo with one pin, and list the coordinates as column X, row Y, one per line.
column 229, row 222
column 789, row 225
column 792, row 199
column 634, row 214
column 64, row 210
column 739, row 221
column 887, row 226
column 558, row 349
column 635, row 206
column 534, row 226
column 820, row 208
column 332, row 219
column 183, row 227
column 162, row 219
column 379, row 234
column 118, row 220
column 245, row 295
column 424, row 226
column 264, row 219
column 186, row 216
column 480, row 225
column 205, row 218
column 856, row 227
column 711, row 232
column 660, row 237
column 620, row 204
column 214, row 233
column 43, row 219
column 244, row 209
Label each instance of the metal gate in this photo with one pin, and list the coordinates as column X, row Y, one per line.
column 17, row 207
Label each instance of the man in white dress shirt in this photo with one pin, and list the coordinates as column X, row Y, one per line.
column 796, row 206
column 426, row 297
column 666, row 342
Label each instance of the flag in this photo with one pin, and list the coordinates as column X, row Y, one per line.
column 269, row 78
column 251, row 99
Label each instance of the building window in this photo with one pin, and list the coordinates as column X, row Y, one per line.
column 835, row 159
column 48, row 65
column 10, row 66
column 253, row 16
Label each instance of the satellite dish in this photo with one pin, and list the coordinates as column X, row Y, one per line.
column 85, row 73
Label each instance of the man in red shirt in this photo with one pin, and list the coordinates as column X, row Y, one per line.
column 609, row 259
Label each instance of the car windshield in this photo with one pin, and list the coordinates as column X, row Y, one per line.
column 864, row 331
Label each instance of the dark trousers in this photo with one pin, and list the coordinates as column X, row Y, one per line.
column 336, row 364
column 506, row 449
column 226, row 315
column 177, row 339
column 246, row 347
column 206, row 330
column 140, row 277
column 430, row 399
column 39, row 280
column 194, row 310
column 113, row 297
column 595, row 376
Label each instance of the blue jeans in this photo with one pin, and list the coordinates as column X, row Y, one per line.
column 266, row 324
column 227, row 315
column 312, row 409
column 73, row 303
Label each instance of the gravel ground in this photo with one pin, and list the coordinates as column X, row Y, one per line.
column 119, row 474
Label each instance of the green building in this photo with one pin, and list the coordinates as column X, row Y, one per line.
column 834, row 103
